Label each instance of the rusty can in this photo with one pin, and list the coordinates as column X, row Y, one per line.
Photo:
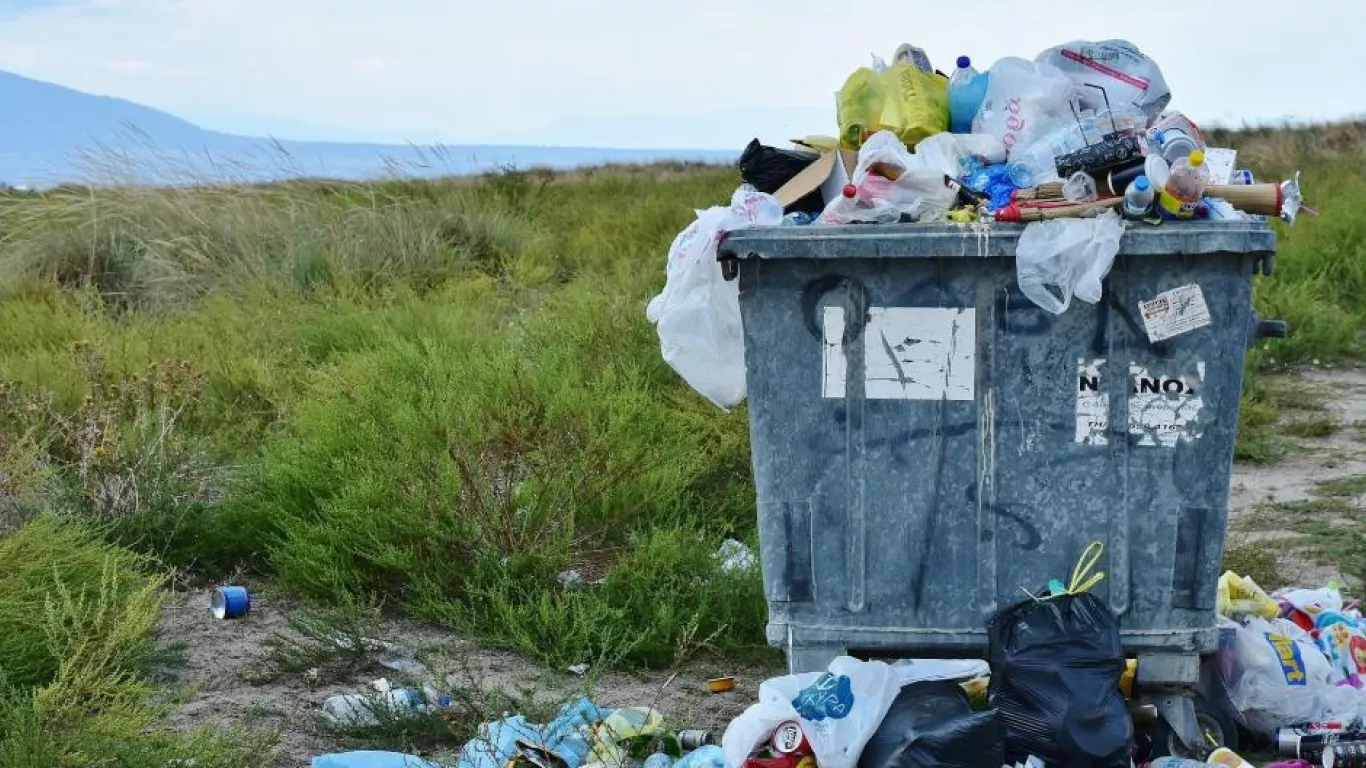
column 790, row 739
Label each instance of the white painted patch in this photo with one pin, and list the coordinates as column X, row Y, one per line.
column 834, row 365
column 1172, row 313
column 919, row 353
column 1165, row 410
column 1093, row 404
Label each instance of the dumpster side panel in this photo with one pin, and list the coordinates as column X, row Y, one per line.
column 928, row 443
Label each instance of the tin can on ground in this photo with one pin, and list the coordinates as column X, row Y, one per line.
column 790, row 739
column 230, row 602
column 690, row 740
column 1348, row 749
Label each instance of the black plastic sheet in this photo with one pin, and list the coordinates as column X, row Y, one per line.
column 932, row 725
column 767, row 169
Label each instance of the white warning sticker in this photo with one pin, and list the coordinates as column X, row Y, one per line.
column 1165, row 410
column 1093, row 405
column 909, row 353
column 1172, row 313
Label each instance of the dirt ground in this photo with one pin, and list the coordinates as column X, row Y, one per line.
column 223, row 660
column 1271, row 505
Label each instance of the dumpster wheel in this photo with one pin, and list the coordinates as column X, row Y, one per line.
column 1218, row 728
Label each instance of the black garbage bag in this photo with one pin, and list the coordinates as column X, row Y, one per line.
column 932, row 725
column 769, row 168
column 1055, row 670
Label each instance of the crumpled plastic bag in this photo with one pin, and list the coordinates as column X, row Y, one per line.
column 919, row 191
column 767, row 169
column 1282, row 678
column 932, row 725
column 367, row 758
column 1240, row 596
column 838, row 710
column 1025, row 102
column 697, row 314
column 565, row 737
column 912, row 104
column 1056, row 665
column 1069, row 256
column 1113, row 71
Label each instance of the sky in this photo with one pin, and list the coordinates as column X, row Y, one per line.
column 631, row 73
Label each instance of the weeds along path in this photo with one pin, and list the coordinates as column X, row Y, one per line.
column 1297, row 519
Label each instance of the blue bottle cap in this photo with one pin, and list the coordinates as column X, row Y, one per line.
column 1141, row 182
column 964, row 62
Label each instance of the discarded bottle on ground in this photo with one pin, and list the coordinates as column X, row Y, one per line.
column 967, row 89
column 359, row 709
column 1185, row 186
column 1138, row 198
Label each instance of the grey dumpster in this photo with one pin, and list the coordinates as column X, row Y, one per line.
column 927, row 442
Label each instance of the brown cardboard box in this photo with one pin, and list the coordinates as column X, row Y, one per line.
column 830, row 173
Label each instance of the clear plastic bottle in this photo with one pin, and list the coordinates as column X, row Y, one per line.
column 1185, row 186
column 1138, row 198
column 359, row 709
column 967, row 89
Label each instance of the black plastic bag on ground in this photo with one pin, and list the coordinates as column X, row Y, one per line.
column 932, row 725
column 767, row 169
column 1055, row 670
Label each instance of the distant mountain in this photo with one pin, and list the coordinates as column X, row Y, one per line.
column 51, row 134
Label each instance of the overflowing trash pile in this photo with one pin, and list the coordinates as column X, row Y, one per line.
column 1078, row 144
column 1056, row 689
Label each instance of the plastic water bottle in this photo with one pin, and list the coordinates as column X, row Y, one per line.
column 1185, row 186
column 1138, row 198
column 359, row 709
column 967, row 89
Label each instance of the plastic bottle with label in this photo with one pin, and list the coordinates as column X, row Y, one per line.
column 1138, row 199
column 967, row 89
column 1185, row 186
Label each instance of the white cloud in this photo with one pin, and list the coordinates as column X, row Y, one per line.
column 486, row 71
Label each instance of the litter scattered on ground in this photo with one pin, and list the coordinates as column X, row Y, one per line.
column 580, row 669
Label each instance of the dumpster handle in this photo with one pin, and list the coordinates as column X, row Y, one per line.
column 730, row 267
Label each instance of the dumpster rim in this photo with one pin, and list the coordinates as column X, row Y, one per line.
column 950, row 241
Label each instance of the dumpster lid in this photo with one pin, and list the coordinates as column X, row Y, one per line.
column 954, row 241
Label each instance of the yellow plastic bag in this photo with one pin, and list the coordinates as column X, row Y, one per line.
column 910, row 103
column 1240, row 596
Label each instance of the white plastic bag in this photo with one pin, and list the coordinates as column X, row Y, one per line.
column 1282, row 678
column 698, row 312
column 919, row 191
column 838, row 709
column 1111, row 70
column 1025, row 101
column 1071, row 255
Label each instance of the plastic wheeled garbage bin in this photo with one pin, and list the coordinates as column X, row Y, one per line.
column 927, row 441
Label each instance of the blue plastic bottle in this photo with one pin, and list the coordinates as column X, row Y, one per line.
column 967, row 89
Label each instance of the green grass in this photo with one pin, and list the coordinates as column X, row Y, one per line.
column 76, row 616
column 435, row 397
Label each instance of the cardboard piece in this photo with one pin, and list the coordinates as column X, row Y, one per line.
column 830, row 173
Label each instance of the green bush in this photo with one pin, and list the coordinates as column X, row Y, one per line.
column 76, row 620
